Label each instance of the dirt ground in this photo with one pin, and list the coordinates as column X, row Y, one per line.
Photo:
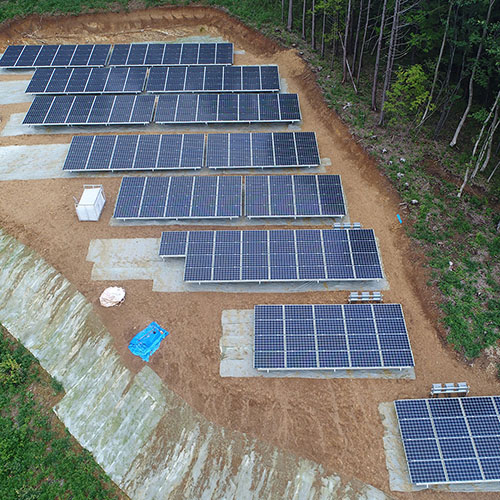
column 334, row 422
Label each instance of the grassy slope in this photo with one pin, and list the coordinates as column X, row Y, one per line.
column 449, row 230
column 38, row 458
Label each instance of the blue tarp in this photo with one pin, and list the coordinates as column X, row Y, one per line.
column 147, row 341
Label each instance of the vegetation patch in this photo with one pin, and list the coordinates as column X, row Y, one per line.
column 38, row 457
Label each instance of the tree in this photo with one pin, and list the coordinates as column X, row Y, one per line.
column 290, row 15
column 471, row 79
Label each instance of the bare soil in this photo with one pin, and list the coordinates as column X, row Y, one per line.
column 334, row 422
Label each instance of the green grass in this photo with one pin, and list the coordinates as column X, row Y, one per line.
column 39, row 460
column 462, row 230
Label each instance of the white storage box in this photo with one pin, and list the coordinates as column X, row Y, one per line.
column 91, row 203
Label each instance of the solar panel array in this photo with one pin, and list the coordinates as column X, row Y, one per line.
column 179, row 197
column 217, row 108
column 275, row 255
column 213, row 79
column 135, row 152
column 263, row 149
column 36, row 56
column 187, row 151
column 171, row 54
column 455, row 440
column 294, row 196
column 87, row 81
column 90, row 110
column 326, row 336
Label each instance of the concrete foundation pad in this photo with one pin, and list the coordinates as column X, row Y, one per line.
column 397, row 467
column 236, row 345
column 45, row 161
column 13, row 91
column 15, row 127
column 32, row 162
column 137, row 259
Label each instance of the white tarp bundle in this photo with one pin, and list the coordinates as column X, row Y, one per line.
column 112, row 296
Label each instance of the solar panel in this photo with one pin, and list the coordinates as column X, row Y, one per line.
column 171, row 54
column 90, row 110
column 39, row 56
column 454, row 440
column 213, row 79
column 179, row 197
column 262, row 150
column 226, row 108
column 294, row 196
column 320, row 337
column 139, row 152
column 87, row 81
column 284, row 255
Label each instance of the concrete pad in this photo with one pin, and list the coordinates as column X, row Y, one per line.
column 13, row 91
column 32, row 162
column 236, row 345
column 45, row 161
column 137, row 259
column 15, row 127
column 399, row 479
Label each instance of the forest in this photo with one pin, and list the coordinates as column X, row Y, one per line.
column 432, row 66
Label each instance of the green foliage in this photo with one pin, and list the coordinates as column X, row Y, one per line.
column 38, row 459
column 408, row 95
column 10, row 371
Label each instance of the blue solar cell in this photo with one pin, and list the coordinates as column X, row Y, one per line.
column 491, row 468
column 100, row 155
column 484, row 425
column 333, row 359
column 363, row 342
column 59, row 110
column 81, row 55
column 453, row 448
column 195, row 76
column 224, row 53
column 301, row 359
column 189, row 53
column 10, row 56
column 28, row 56
column 488, row 446
column 137, row 54
column 269, row 327
column 300, row 343
column 289, row 107
column 263, row 312
column 478, row 406
column 273, row 359
column 416, row 429
column 172, row 53
column 330, row 326
column 119, row 55
column 269, row 343
column 299, row 327
column 206, row 54
column 445, row 408
column 362, row 359
column 328, row 311
column 412, row 408
column 78, row 153
column 270, row 78
column 101, row 109
column 154, row 54
column 198, row 274
column 249, row 108
column 279, row 273
column 397, row 358
column 421, row 449
column 64, row 55
column 269, row 108
column 332, row 343
column 38, row 110
column 463, row 470
column 427, row 471
column 142, row 111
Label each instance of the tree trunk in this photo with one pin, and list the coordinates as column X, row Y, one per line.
column 304, row 10
column 344, row 45
column 471, row 81
column 466, row 178
column 377, row 58
column 489, row 179
column 492, row 110
column 290, row 15
column 313, row 26
column 390, row 58
column 355, row 50
column 323, row 34
column 436, row 71
column 362, row 49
